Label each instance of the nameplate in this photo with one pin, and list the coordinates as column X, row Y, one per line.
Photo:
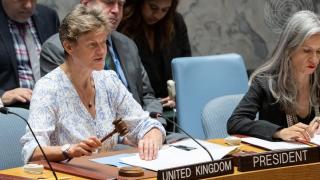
column 280, row 158
column 198, row 171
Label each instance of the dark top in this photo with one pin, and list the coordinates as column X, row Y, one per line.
column 259, row 99
column 46, row 23
column 158, row 63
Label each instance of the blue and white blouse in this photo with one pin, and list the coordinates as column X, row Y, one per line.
column 58, row 116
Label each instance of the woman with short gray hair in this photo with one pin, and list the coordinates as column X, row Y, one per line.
column 285, row 91
column 73, row 106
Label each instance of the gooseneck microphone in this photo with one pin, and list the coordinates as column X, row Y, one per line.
column 157, row 115
column 5, row 110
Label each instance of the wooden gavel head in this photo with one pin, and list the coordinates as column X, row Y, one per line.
column 121, row 127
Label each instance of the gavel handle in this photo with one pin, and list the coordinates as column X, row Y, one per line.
column 108, row 135
column 102, row 140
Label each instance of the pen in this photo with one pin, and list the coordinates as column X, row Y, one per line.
column 305, row 142
column 186, row 148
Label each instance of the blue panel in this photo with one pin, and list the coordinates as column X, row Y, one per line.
column 200, row 79
column 12, row 128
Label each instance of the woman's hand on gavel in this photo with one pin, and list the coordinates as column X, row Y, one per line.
column 85, row 147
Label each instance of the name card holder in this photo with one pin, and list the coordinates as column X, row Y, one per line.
column 281, row 158
column 198, row 171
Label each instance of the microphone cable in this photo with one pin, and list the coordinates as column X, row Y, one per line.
column 157, row 115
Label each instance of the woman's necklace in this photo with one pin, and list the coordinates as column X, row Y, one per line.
column 293, row 119
column 89, row 102
column 93, row 92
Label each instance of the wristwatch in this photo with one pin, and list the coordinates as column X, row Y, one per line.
column 65, row 148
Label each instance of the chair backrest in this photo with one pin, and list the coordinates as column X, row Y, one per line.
column 216, row 114
column 199, row 79
column 12, row 128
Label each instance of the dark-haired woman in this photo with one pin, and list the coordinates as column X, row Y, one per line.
column 161, row 35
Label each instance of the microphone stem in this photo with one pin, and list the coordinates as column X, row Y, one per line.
column 46, row 158
column 189, row 136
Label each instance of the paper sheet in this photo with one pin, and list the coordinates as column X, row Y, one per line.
column 170, row 156
column 273, row 145
column 316, row 139
column 112, row 160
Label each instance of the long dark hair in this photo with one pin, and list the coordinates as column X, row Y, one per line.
column 133, row 25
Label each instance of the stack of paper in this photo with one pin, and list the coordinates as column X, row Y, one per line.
column 170, row 156
column 271, row 145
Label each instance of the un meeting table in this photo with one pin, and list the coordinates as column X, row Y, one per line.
column 296, row 172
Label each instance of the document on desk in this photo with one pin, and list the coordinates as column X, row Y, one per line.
column 182, row 153
column 273, row 145
column 316, row 139
column 112, row 160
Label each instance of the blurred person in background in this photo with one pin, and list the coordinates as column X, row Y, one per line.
column 161, row 35
column 24, row 26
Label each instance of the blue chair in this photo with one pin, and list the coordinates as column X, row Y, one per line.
column 12, row 128
column 200, row 79
column 216, row 114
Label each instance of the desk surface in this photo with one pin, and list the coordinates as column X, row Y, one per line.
column 305, row 171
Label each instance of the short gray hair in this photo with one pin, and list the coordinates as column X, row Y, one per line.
column 81, row 20
column 278, row 69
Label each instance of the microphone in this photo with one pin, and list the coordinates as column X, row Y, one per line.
column 5, row 110
column 171, row 89
column 156, row 115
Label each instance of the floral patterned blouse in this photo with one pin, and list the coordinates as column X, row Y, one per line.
column 58, row 116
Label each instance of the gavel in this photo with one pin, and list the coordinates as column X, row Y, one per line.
column 119, row 126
